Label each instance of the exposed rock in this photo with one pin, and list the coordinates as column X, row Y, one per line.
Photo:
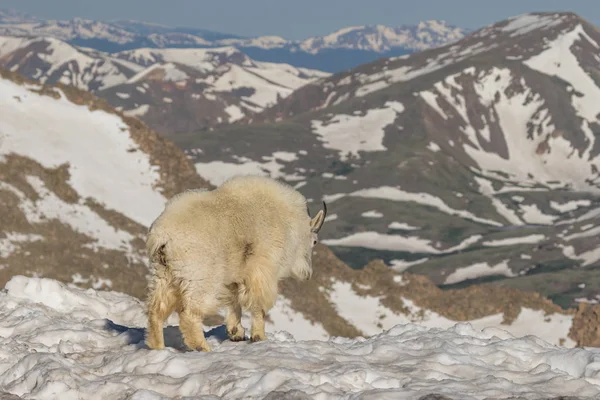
column 586, row 325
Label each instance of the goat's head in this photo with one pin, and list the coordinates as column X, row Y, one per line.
column 316, row 223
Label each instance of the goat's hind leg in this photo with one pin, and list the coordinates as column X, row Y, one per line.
column 233, row 321
column 161, row 303
column 258, row 325
column 190, row 323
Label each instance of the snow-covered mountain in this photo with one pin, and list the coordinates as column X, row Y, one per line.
column 339, row 50
column 376, row 38
column 79, row 185
column 50, row 60
column 473, row 162
column 173, row 90
column 64, row 342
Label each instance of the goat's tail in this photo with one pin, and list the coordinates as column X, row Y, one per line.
column 155, row 247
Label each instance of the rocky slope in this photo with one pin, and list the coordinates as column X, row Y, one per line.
column 339, row 50
column 79, row 185
column 473, row 162
column 172, row 90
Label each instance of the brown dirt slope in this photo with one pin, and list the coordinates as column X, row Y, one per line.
column 377, row 280
column 585, row 330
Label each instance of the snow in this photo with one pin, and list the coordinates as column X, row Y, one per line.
column 516, row 110
column 558, row 60
column 372, row 214
column 10, row 243
column 350, row 134
column 486, row 188
column 265, row 92
column 586, row 232
column 370, row 316
column 397, row 194
column 228, row 69
column 479, row 270
column 222, row 69
column 570, row 205
column 81, row 68
column 65, row 342
column 171, row 73
column 285, row 318
column 525, row 23
column 331, row 217
column 64, row 132
column 402, row 225
column 411, row 244
column 433, row 147
column 588, row 257
column 287, row 75
column 138, row 111
column 234, row 112
column 203, row 60
column 402, row 265
column 80, row 217
column 533, row 215
column 530, row 239
column 380, row 38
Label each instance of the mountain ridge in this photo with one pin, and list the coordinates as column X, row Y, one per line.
column 172, row 90
column 342, row 49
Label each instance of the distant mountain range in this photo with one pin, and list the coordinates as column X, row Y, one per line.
column 173, row 90
column 340, row 50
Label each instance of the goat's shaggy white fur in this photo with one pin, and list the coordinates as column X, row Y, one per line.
column 226, row 248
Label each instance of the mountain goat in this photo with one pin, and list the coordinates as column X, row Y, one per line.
column 227, row 248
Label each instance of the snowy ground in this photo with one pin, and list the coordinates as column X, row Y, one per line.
column 63, row 342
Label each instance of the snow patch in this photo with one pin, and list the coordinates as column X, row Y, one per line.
column 479, row 270
column 372, row 214
column 411, row 244
column 350, row 134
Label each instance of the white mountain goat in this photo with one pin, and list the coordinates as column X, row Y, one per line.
column 227, row 248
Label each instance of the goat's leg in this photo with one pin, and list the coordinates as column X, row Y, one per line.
column 257, row 331
column 190, row 324
column 258, row 294
column 161, row 303
column 233, row 321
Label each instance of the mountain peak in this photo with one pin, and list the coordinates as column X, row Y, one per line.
column 382, row 38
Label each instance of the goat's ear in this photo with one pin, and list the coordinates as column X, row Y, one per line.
column 317, row 222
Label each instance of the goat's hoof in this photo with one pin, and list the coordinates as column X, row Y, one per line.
column 188, row 349
column 257, row 338
column 235, row 335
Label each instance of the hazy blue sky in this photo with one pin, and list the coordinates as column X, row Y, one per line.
column 298, row 19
